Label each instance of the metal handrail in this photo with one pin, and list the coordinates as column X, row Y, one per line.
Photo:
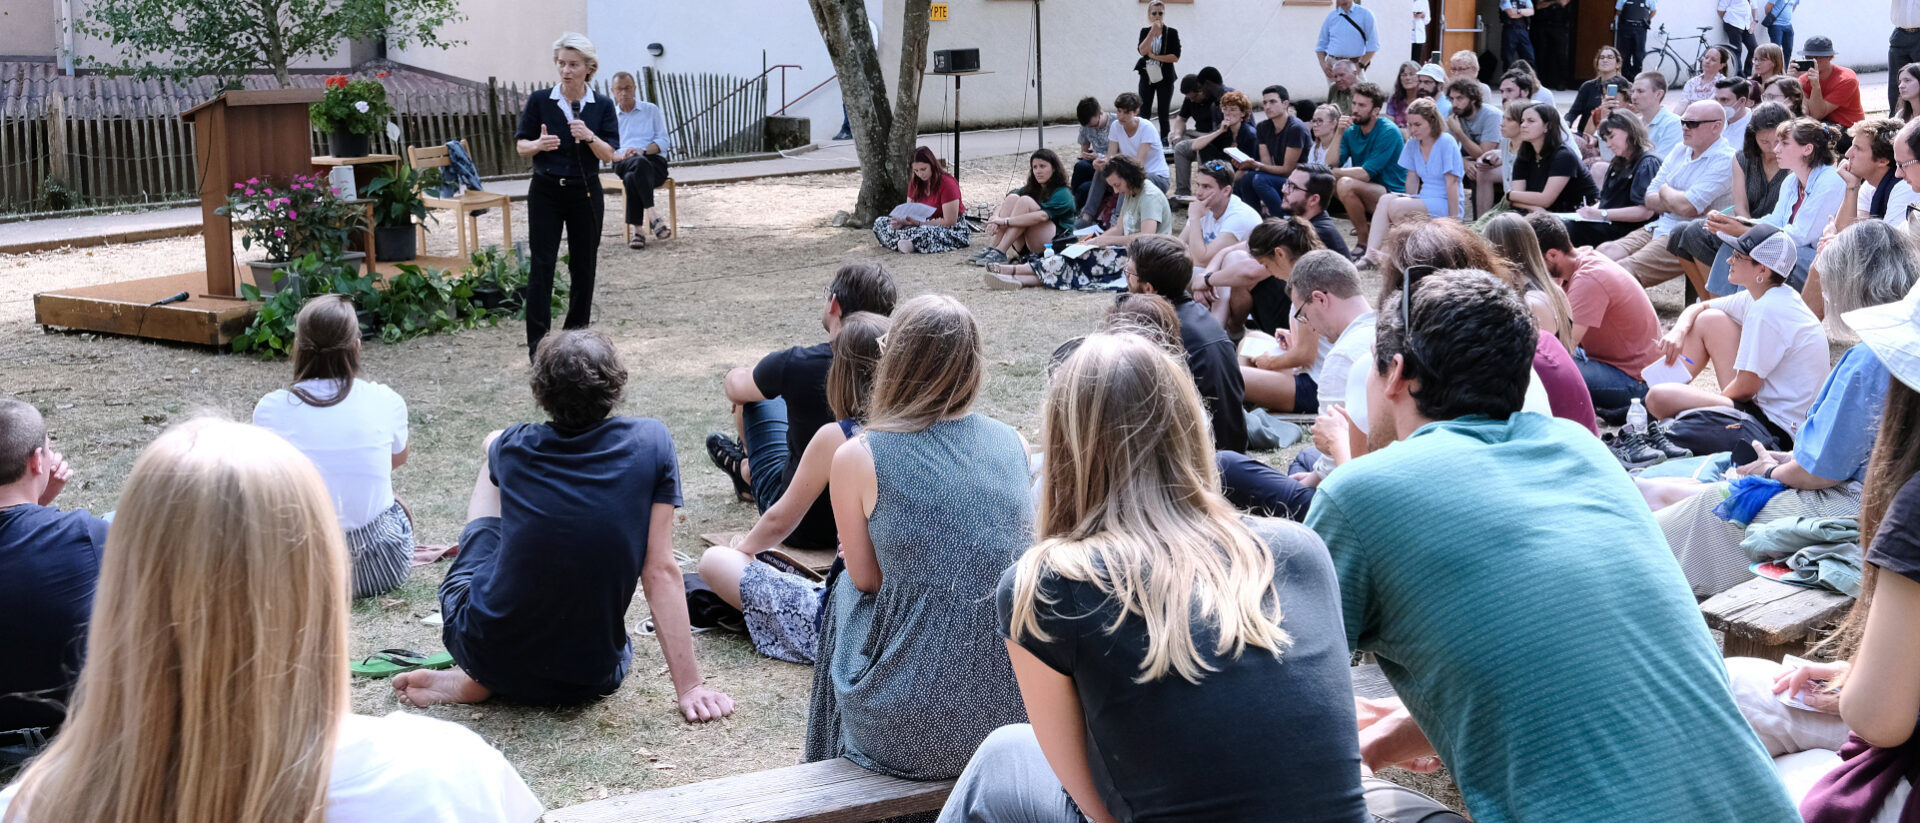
column 743, row 86
column 784, row 105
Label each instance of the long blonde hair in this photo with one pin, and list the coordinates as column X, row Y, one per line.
column 216, row 672
column 1130, row 501
column 1516, row 243
column 931, row 364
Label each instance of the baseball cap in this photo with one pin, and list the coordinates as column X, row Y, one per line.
column 1768, row 246
column 1817, row 46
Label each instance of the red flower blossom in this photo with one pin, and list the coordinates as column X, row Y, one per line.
column 338, row 81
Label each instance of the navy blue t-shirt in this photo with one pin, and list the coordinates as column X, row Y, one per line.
column 575, row 509
column 49, row 563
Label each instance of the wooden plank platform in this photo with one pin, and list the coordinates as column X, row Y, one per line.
column 1769, row 619
column 831, row 791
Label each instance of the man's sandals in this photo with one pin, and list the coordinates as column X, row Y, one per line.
column 389, row 662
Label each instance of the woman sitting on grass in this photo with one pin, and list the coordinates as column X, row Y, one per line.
column 1766, row 347
column 1033, row 215
column 1623, row 194
column 930, row 185
column 1547, row 173
column 932, row 505
column 1434, row 170
column 1154, row 627
column 355, row 432
column 1143, row 210
column 1810, row 196
column 783, row 610
column 215, row 687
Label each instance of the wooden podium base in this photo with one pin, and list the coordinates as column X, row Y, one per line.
column 202, row 319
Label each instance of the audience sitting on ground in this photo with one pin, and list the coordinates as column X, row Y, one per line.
column 782, row 400
column 1875, row 190
column 1694, row 179
column 1769, row 62
column 1737, row 96
column 1475, row 125
column 1615, row 332
column 1465, row 635
column 49, row 562
column 1607, row 84
column 1510, row 116
column 1092, row 138
column 1540, row 94
column 1511, row 236
column 1160, row 265
column 945, row 230
column 641, row 162
column 1860, row 729
column 1832, row 90
column 1433, row 167
column 1147, row 315
column 1154, row 627
column 1785, row 91
column 1663, row 125
column 1465, row 65
column 355, row 432
column 1325, row 128
column 1869, row 265
column 1216, row 220
column 1547, row 173
column 1205, row 127
column 1810, row 196
column 1143, row 212
column 781, row 609
column 1342, row 83
column 1433, row 82
column 216, row 677
column 1406, row 87
column 1623, row 193
column 1127, row 136
column 1326, row 292
column 555, row 542
column 1518, row 84
column 1754, row 183
column 1768, row 353
column 1283, row 143
column 1235, row 132
column 1713, row 68
column 1247, row 284
column 1369, row 162
column 910, row 677
column 1031, row 217
column 1907, row 88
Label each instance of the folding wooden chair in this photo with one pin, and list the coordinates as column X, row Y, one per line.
column 463, row 205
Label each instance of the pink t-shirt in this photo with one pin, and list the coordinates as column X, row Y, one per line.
column 1622, row 329
column 1560, row 376
column 947, row 192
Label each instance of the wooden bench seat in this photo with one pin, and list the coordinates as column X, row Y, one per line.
column 612, row 184
column 831, row 791
column 1769, row 619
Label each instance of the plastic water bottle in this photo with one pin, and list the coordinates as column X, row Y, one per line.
column 1637, row 417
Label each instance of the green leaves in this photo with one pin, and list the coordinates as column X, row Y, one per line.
column 230, row 38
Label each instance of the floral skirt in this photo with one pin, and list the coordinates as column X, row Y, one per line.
column 1104, row 268
column 926, row 239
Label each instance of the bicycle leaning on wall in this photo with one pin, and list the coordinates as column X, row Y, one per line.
column 1669, row 60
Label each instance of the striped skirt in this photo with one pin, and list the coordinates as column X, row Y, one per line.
column 1708, row 548
column 381, row 552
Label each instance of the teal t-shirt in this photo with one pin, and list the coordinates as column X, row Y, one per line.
column 1526, row 608
column 1378, row 152
column 1062, row 209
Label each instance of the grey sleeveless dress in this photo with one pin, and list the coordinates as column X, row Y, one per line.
column 912, row 678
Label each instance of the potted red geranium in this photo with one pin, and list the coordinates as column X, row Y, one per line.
column 350, row 114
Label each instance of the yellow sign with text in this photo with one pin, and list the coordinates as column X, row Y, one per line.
column 939, row 12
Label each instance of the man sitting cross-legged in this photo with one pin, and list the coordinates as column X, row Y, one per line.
column 566, row 517
column 1535, row 671
column 1247, row 286
column 780, row 402
column 1370, row 167
column 1615, row 329
column 1158, row 264
column 49, row 562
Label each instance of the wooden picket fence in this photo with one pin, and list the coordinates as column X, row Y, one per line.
column 119, row 142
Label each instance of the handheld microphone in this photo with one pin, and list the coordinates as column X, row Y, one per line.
column 178, row 298
column 574, row 106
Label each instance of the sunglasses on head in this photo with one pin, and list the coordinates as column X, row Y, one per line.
column 1407, row 277
column 1217, row 165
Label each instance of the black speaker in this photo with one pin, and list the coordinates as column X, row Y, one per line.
column 956, row 61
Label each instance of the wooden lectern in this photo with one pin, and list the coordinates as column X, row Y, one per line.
column 238, row 135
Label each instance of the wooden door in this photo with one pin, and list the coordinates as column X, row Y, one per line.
column 1592, row 28
column 1461, row 27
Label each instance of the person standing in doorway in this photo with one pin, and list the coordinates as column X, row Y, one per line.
column 1159, row 50
column 641, row 161
column 1631, row 19
column 568, row 132
column 1553, row 42
column 1516, row 39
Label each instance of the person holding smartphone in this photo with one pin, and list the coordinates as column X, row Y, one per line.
column 1832, row 90
column 1607, row 84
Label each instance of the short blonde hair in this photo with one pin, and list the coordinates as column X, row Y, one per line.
column 579, row 42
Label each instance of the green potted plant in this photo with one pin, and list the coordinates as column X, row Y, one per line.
column 397, row 206
column 290, row 218
column 496, row 277
column 350, row 114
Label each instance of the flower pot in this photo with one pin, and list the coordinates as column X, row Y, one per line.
column 263, row 279
column 342, row 143
column 489, row 298
column 368, row 325
column 392, row 244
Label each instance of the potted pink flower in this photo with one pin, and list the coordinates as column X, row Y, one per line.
column 290, row 218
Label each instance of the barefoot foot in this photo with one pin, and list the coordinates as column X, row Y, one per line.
column 426, row 687
column 905, row 246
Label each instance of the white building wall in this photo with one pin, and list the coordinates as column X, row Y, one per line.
column 503, row 40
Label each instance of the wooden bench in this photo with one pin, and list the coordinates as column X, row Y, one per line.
column 1769, row 619
column 612, row 184
column 831, row 791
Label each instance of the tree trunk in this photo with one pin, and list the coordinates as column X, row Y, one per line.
column 883, row 134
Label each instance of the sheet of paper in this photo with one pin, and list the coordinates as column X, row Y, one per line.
column 1659, row 372
column 1237, row 155
column 1086, row 232
column 1076, row 251
column 1259, row 344
column 917, row 211
column 1574, row 217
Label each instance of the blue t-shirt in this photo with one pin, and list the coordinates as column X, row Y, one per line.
column 1541, row 633
column 1349, row 33
column 1433, row 170
column 1838, row 436
column 1378, row 152
column 575, row 512
column 49, row 563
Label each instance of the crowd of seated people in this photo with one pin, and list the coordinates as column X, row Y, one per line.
column 1101, row 627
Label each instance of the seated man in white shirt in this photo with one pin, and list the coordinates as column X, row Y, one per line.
column 1875, row 188
column 641, row 162
column 1695, row 178
column 1216, row 219
column 1738, row 97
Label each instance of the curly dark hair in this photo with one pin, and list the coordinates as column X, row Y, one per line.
column 1470, row 349
column 577, row 378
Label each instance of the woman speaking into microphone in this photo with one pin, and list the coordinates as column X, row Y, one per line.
column 568, row 132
